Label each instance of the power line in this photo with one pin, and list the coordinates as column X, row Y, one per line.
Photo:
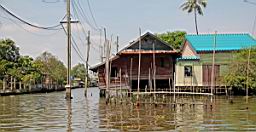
column 20, row 26
column 83, row 14
column 30, row 24
column 89, row 5
column 75, row 47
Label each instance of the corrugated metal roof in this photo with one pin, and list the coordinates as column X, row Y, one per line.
column 224, row 42
column 188, row 58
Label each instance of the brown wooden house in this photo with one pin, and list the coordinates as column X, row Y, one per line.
column 157, row 66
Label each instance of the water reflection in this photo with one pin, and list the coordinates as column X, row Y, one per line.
column 222, row 116
column 69, row 117
column 51, row 112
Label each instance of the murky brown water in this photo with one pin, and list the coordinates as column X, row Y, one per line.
column 51, row 112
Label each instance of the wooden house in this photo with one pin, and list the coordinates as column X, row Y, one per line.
column 194, row 67
column 157, row 65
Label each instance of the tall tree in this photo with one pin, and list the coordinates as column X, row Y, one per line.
column 174, row 39
column 196, row 7
column 51, row 66
column 8, row 50
column 78, row 71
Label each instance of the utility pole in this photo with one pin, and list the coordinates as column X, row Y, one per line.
column 68, row 86
column 87, row 63
column 117, row 44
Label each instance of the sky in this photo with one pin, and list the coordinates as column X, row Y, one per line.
column 121, row 18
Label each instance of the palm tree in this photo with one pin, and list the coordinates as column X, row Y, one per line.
column 196, row 7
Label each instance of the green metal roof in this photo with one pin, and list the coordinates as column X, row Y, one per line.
column 224, row 42
column 189, row 58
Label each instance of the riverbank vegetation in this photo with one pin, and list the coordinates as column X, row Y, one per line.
column 242, row 72
column 44, row 69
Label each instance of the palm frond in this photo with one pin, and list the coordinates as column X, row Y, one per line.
column 199, row 10
column 203, row 3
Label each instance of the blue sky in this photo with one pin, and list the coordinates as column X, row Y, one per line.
column 120, row 17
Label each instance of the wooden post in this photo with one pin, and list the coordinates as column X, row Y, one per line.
column 108, row 49
column 30, row 87
column 14, row 85
column 170, row 87
column 154, row 70
column 138, row 87
column 131, row 75
column 4, row 85
column 247, row 73
column 120, row 75
column 87, row 63
column 104, row 45
column 149, row 80
column 11, row 83
column 115, row 83
column 101, row 47
column 213, row 64
column 20, row 87
column 117, row 44
column 174, row 87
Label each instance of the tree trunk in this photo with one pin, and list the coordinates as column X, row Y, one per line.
column 196, row 21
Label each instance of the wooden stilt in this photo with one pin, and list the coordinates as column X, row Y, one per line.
column 120, row 75
column 138, row 86
column 130, row 90
column 11, row 83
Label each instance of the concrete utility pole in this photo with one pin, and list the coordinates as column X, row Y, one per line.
column 68, row 86
column 87, row 63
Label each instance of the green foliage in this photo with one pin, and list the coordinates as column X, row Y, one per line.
column 238, row 70
column 79, row 71
column 24, row 68
column 49, row 65
column 8, row 50
column 176, row 39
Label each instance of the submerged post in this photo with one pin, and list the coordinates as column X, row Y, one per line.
column 87, row 64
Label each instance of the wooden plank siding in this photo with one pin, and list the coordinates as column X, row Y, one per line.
column 164, row 69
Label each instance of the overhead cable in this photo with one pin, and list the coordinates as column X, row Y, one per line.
column 56, row 27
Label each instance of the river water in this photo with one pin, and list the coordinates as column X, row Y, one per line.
column 51, row 112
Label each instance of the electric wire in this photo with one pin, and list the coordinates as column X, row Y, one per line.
column 20, row 26
column 55, row 27
column 75, row 47
column 83, row 14
column 90, row 9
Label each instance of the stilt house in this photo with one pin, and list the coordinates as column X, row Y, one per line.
column 157, row 66
column 194, row 67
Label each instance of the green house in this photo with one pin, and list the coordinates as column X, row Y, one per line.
column 194, row 66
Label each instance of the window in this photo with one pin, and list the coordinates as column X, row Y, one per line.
column 162, row 62
column 113, row 72
column 188, row 71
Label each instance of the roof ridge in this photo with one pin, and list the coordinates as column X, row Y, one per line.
column 209, row 34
